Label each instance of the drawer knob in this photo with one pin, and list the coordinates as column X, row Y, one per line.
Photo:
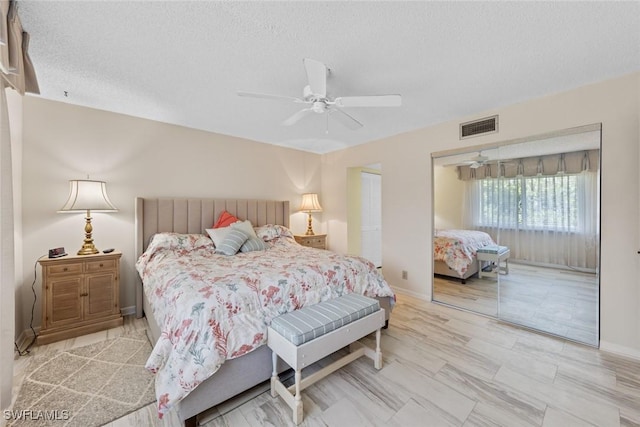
column 85, row 294
column 65, row 269
column 101, row 264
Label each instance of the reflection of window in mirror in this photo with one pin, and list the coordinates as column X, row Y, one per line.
column 537, row 202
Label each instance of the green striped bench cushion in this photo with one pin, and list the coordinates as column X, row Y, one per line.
column 493, row 249
column 316, row 320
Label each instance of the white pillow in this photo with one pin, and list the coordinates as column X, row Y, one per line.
column 218, row 234
column 247, row 227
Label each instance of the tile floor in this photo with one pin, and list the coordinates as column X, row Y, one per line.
column 445, row 367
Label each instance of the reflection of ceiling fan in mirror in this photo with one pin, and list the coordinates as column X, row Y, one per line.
column 314, row 95
column 477, row 161
column 480, row 160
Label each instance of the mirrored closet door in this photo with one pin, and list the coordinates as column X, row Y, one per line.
column 516, row 232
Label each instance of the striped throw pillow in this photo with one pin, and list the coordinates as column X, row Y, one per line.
column 232, row 242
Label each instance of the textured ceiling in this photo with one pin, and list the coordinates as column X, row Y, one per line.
column 182, row 62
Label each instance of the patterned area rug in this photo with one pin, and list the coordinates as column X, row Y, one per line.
column 86, row 386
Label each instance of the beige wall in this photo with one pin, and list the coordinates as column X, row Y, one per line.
column 137, row 157
column 407, row 196
column 447, row 199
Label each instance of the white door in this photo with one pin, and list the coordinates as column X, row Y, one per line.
column 371, row 242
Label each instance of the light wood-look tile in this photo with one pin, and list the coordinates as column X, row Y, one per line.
column 560, row 302
column 446, row 367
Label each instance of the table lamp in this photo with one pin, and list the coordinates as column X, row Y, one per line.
column 310, row 204
column 87, row 196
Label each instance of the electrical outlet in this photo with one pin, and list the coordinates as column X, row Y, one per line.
column 405, row 275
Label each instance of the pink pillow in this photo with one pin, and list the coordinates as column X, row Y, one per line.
column 225, row 219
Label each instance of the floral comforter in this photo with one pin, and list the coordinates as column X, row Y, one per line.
column 213, row 308
column 457, row 248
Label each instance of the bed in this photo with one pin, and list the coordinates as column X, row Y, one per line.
column 184, row 221
column 454, row 252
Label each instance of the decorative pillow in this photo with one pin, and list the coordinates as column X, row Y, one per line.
column 232, row 242
column 270, row 232
column 168, row 240
column 245, row 226
column 218, row 234
column 253, row 244
column 225, row 219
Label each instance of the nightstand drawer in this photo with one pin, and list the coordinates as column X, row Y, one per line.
column 71, row 268
column 94, row 266
column 313, row 242
column 318, row 241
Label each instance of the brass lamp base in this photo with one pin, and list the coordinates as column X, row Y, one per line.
column 309, row 228
column 88, row 247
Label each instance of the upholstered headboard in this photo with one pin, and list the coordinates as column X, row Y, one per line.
column 183, row 215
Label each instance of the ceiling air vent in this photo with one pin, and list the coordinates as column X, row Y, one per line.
column 479, row 127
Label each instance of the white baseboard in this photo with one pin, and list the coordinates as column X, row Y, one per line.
column 620, row 350
column 128, row 311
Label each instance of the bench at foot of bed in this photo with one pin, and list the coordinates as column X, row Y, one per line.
column 305, row 336
column 494, row 255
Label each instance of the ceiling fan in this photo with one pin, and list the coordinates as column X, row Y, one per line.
column 314, row 96
column 476, row 161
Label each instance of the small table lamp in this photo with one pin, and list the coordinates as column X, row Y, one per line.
column 86, row 195
column 310, row 204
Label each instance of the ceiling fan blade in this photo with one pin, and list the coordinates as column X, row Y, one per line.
column 345, row 119
column 317, row 76
column 297, row 116
column 268, row 96
column 369, row 101
column 464, row 163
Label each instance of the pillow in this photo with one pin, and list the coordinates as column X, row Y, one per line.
column 180, row 241
column 218, row 234
column 253, row 244
column 270, row 232
column 232, row 242
column 224, row 220
column 246, row 227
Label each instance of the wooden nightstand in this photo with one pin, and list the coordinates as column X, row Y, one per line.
column 80, row 295
column 318, row 241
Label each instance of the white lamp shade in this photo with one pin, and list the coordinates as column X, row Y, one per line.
column 310, row 203
column 87, row 195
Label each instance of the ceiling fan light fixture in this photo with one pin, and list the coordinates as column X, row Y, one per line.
column 319, row 107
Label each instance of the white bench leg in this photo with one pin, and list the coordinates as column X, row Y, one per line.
column 377, row 363
column 297, row 410
column 274, row 374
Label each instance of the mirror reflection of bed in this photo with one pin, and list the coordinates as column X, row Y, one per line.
column 538, row 203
